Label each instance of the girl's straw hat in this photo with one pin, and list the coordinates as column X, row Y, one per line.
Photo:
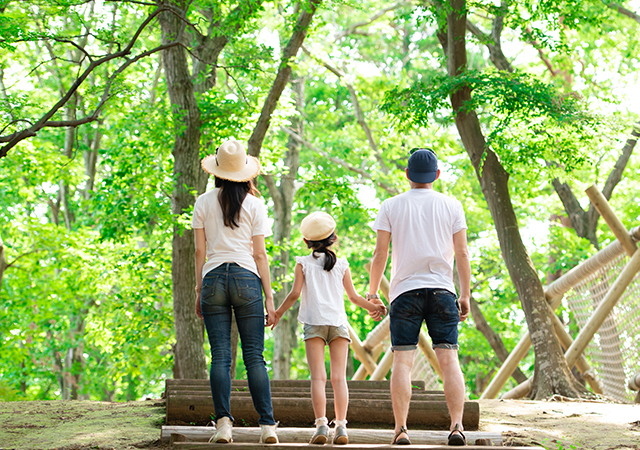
column 231, row 162
column 317, row 226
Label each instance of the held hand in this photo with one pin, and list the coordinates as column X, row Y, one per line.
column 464, row 308
column 271, row 317
column 378, row 311
column 278, row 316
column 198, row 307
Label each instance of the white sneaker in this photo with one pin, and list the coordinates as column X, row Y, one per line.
column 223, row 431
column 269, row 435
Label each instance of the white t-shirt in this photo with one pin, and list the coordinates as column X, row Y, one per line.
column 226, row 245
column 322, row 301
column 422, row 223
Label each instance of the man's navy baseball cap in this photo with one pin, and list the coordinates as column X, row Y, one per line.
column 422, row 166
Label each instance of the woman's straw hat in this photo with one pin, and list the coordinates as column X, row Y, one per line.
column 317, row 226
column 231, row 162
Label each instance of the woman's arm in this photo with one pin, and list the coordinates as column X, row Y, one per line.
column 201, row 254
column 293, row 296
column 375, row 310
column 262, row 262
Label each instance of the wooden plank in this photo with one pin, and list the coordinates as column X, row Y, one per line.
column 352, row 395
column 303, row 435
column 247, row 446
column 295, row 412
column 352, row 384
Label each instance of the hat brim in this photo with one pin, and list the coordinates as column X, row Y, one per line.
column 249, row 172
column 422, row 177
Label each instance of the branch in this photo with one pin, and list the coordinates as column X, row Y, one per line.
column 624, row 11
column 363, row 173
column 13, row 139
column 376, row 16
column 616, row 173
column 492, row 42
column 282, row 77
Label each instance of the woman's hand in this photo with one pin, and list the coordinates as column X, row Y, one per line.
column 277, row 317
column 271, row 313
column 198, row 307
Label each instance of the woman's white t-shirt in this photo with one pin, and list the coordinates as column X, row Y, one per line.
column 322, row 301
column 226, row 245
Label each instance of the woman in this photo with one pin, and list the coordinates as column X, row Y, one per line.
column 230, row 224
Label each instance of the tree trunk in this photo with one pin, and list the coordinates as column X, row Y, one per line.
column 286, row 336
column 189, row 360
column 493, row 339
column 552, row 375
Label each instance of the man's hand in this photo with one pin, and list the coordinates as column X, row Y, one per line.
column 464, row 308
column 378, row 313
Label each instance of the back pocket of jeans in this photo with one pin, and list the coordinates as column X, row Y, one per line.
column 248, row 287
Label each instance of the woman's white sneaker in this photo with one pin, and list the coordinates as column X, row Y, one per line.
column 268, row 435
column 223, row 431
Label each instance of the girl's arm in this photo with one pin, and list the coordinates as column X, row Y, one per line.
column 262, row 262
column 376, row 310
column 201, row 253
column 294, row 295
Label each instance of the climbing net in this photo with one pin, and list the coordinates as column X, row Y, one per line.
column 614, row 352
column 422, row 370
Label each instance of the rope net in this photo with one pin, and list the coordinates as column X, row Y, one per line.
column 614, row 351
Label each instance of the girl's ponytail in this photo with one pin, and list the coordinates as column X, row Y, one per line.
column 323, row 247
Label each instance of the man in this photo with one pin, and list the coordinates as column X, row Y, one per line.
column 427, row 230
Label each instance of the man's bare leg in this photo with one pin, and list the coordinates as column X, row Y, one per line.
column 453, row 384
column 401, row 387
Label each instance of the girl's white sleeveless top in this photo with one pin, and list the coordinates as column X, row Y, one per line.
column 322, row 301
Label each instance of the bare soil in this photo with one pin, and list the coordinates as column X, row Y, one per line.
column 554, row 425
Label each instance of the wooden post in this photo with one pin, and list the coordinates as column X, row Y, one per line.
column 554, row 293
column 582, row 364
column 364, row 356
column 383, row 367
column 425, row 345
column 361, row 373
column 602, row 206
column 604, row 308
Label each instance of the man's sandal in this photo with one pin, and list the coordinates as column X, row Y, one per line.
column 402, row 441
column 457, row 439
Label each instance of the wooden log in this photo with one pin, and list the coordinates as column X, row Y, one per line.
column 601, row 204
column 554, row 293
column 293, row 412
column 425, row 345
column 417, row 394
column 249, row 446
column 303, row 435
column 384, row 366
column 361, row 354
column 604, row 308
column 582, row 364
column 593, row 325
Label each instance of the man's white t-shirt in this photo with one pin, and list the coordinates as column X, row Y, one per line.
column 226, row 245
column 322, row 295
column 422, row 223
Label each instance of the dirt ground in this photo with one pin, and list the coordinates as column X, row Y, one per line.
column 554, row 425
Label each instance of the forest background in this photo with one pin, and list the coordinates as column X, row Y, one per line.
column 107, row 107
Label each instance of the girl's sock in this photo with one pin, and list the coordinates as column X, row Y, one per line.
column 321, row 421
column 340, row 423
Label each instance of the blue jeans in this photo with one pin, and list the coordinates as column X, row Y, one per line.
column 225, row 287
column 437, row 307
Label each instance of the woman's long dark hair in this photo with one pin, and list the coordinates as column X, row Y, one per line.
column 232, row 194
column 323, row 247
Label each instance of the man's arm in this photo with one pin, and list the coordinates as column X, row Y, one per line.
column 379, row 262
column 464, row 271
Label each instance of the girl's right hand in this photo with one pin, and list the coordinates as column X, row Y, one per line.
column 277, row 315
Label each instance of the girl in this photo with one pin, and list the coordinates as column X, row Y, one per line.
column 321, row 278
column 232, row 270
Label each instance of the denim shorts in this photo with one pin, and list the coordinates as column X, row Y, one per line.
column 326, row 332
column 438, row 307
